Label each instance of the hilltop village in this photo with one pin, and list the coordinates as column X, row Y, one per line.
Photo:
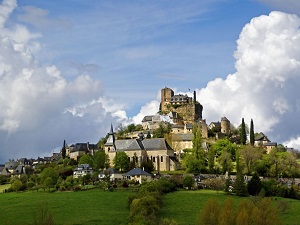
column 142, row 144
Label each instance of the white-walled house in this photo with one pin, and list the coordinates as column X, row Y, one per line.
column 114, row 175
column 138, row 174
column 82, row 170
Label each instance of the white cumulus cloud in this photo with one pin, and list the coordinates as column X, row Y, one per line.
column 265, row 84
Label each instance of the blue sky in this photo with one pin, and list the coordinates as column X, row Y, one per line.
column 92, row 63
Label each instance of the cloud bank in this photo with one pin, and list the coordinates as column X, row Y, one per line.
column 265, row 84
column 39, row 107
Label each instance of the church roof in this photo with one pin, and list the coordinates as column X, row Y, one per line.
column 145, row 144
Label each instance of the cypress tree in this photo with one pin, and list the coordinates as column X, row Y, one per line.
column 251, row 133
column 63, row 150
column 243, row 134
column 240, row 187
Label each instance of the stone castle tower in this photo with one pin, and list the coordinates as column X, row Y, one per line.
column 225, row 126
column 187, row 108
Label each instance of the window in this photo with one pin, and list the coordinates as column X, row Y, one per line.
column 161, row 159
column 153, row 159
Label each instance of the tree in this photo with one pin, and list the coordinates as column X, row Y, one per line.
column 144, row 210
column 63, row 150
column 49, row 173
column 86, row 159
column 226, row 162
column 16, row 185
column 250, row 155
column 210, row 213
column 243, row 134
column 100, row 159
column 197, row 140
column 163, row 129
column 188, row 181
column 121, row 161
column 244, row 215
column 147, row 165
column 224, row 145
column 239, row 184
column 252, row 133
column 48, row 183
column 44, row 216
column 254, row 185
column 227, row 214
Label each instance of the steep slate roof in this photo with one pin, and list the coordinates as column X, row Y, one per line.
column 136, row 171
column 145, row 144
column 147, row 119
column 110, row 171
column 156, row 144
column 261, row 137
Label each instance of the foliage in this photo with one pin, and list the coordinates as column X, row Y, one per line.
column 251, row 133
column 227, row 214
column 148, row 166
column 243, row 134
column 195, row 201
column 144, row 210
column 63, row 150
column 163, row 129
column 44, row 216
column 121, row 161
column 49, row 173
column 188, row 181
column 100, row 160
column 16, row 185
column 215, row 184
column 254, row 185
column 250, row 156
column 86, row 159
column 210, row 214
column 102, row 141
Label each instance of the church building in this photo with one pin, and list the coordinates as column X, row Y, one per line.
column 140, row 149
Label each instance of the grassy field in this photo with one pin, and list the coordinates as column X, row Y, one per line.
column 76, row 208
column 101, row 207
column 184, row 206
column 3, row 187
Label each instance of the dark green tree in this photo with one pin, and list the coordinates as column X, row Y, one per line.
column 254, row 185
column 121, row 161
column 63, row 150
column 86, row 159
column 163, row 129
column 100, row 159
column 147, row 166
column 240, row 187
column 243, row 134
column 188, row 181
column 251, row 133
column 148, row 135
column 16, row 185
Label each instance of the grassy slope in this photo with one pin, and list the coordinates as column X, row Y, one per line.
column 184, row 206
column 3, row 187
column 85, row 207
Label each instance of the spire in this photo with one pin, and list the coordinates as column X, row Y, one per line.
column 111, row 137
column 111, row 129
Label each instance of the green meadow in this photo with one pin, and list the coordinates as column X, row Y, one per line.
column 77, row 208
column 184, row 206
column 109, row 208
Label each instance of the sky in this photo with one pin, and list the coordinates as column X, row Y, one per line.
column 71, row 68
